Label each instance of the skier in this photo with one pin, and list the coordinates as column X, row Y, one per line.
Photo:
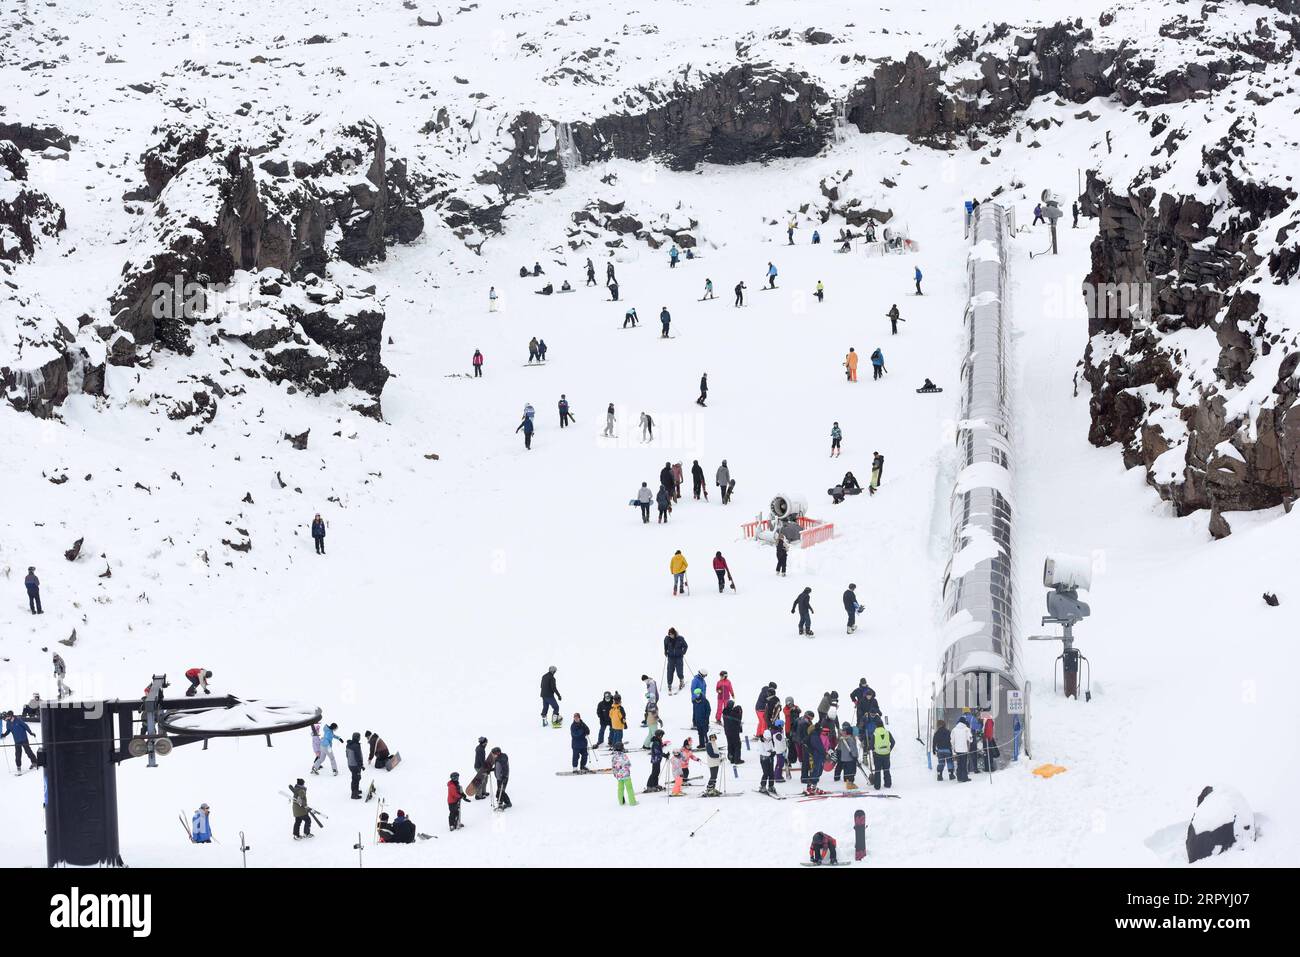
column 673, row 255
column 664, row 499
column 781, row 553
column 677, row 481
column 822, row 849
column 859, row 697
column 771, row 276
column 678, row 567
column 20, row 730
column 656, row 759
column 455, row 794
column 647, row 427
column 848, row 756
column 198, row 679
column 699, row 684
column 766, row 756
column 550, row 696
column 532, row 350
column 723, row 478
column 704, row 389
column 379, row 752
column 882, row 744
column 617, row 721
column 941, row 745
column 916, row 277
column 804, row 605
column 33, row 585
column 877, row 469
column 60, row 672
column 760, row 707
column 352, row 751
column 609, row 421
column 578, row 732
column 201, row 825
column 564, row 411
column 836, row 436
column 697, row 481
column 651, row 725
column 480, row 759
column 665, row 320
column 541, row 350
column 630, row 318
column 851, row 607
column 851, row 365
column 477, row 363
column 682, row 759
column 301, row 816
column 651, row 697
column 708, row 290
column 877, row 364
column 500, row 764
column 725, row 692
column 643, row 498
column 733, row 716
column 895, row 317
column 713, row 758
column 820, row 291
column 527, row 426
column 622, row 766
column 960, row 739
column 740, row 293
column 492, row 298
column 721, row 570
column 602, row 716
column 675, row 648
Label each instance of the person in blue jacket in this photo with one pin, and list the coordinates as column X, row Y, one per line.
column 665, row 320
column 699, row 684
column 21, row 731
column 916, row 275
column 817, row 238
column 318, row 533
column 675, row 651
column 578, row 732
column 33, row 586
column 700, row 713
column 672, row 258
column 327, row 749
column 656, row 759
column 771, row 276
column 877, row 364
column 527, row 426
column 201, row 825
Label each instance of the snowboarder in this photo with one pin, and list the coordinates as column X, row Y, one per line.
column 713, row 758
column 591, row 272
column 721, row 570
column 379, row 752
column 836, row 436
column 455, row 794
column 537, row 269
column 673, row 256
column 740, row 293
column 678, row 568
column 384, row 829
column 675, row 648
column 630, row 318
column 301, row 814
column 578, row 732
column 532, row 350
column 877, row 469
column 781, row 553
column 492, row 298
column 822, row 849
column 527, row 427
column 941, row 745
column 609, row 274
column 877, row 364
column 198, row 678
column 403, row 829
column 613, row 291
column 771, row 276
column 929, row 386
column 803, row 603
column 602, row 716
column 643, row 498
column 698, row 485
column 551, row 696
column 326, row 749
column 647, row 427
column 622, row 766
column 820, row 291
column 20, row 730
column 656, row 759
column 895, row 317
column 664, row 499
column 851, row 365
column 882, row 745
column 352, row 751
column 617, row 721
column 723, row 478
column 318, row 533
column 565, row 415
column 33, row 585
column 848, row 756
column 60, row 672
column 500, row 764
column 851, row 607
column 704, row 389
column 477, row 363
column 201, row 825
column 916, row 277
column 708, row 290
column 609, row 421
column 665, row 320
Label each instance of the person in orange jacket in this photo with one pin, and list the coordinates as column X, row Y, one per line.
column 678, row 567
column 851, row 363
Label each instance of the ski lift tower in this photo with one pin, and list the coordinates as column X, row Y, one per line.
column 1065, row 575
column 83, row 742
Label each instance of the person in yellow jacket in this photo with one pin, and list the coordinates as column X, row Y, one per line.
column 617, row 721
column 678, row 567
column 851, row 363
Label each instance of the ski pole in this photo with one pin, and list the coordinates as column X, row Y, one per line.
column 358, row 847
column 244, row 848
column 706, row 821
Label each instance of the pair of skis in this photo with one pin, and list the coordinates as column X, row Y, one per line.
column 315, row 815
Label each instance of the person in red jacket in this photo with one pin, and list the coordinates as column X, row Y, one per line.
column 721, row 570
column 725, row 693
column 198, row 679
column 455, row 794
column 990, row 743
column 822, row 849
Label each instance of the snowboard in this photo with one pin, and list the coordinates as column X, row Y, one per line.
column 859, row 835
column 476, row 785
column 825, row 864
column 927, row 391
column 370, row 792
column 561, row 292
column 529, row 365
column 557, row 722
column 394, row 760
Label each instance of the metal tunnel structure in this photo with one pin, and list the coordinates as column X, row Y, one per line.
column 979, row 666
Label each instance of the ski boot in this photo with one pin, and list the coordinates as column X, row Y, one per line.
column 850, row 786
column 315, row 770
column 711, row 793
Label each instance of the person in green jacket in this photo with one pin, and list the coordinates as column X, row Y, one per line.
column 882, row 745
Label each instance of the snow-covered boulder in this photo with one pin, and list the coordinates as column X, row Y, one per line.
column 1223, row 819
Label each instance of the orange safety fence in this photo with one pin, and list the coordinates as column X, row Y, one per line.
column 812, row 531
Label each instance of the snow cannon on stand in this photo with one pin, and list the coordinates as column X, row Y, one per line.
column 788, row 519
column 1065, row 575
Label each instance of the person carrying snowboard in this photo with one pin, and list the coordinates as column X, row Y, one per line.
column 526, row 426
column 851, row 365
column 665, row 320
column 551, row 696
column 318, row 533
column 894, row 319
column 836, row 436
column 803, row 604
column 609, row 421
column 851, row 607
column 740, row 293
column 820, row 291
column 455, row 794
column 708, row 290
column 675, row 648
column 477, row 363
column 721, row 570
column 877, row 365
column 723, row 478
column 301, row 813
column 565, row 416
column 678, row 568
column 644, row 498
column 704, row 389
column 877, row 469
column 578, row 733
column 771, row 276
column 698, row 485
column 622, row 766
